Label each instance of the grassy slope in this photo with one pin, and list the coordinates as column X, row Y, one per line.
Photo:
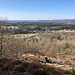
column 17, row 67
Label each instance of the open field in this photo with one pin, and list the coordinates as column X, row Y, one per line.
column 23, row 35
column 64, row 31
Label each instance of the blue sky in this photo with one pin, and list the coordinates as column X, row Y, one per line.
column 37, row 9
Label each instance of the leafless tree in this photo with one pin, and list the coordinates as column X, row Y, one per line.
column 1, row 40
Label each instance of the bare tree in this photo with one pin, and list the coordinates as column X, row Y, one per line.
column 1, row 40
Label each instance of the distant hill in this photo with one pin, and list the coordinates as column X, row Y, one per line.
column 65, row 21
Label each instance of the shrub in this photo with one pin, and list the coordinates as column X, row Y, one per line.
column 73, row 70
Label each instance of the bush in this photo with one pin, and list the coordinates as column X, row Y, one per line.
column 73, row 70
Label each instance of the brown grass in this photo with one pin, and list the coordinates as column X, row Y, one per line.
column 17, row 67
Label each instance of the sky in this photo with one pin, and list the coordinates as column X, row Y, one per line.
column 37, row 9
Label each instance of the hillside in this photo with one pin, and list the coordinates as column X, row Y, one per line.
column 66, row 21
column 17, row 67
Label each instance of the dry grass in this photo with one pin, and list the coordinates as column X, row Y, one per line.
column 17, row 67
column 60, row 46
column 65, row 30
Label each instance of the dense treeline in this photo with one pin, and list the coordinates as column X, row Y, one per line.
column 25, row 28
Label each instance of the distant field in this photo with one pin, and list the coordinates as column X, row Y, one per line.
column 64, row 31
column 23, row 35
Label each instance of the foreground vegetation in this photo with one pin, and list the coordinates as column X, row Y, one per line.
column 17, row 67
